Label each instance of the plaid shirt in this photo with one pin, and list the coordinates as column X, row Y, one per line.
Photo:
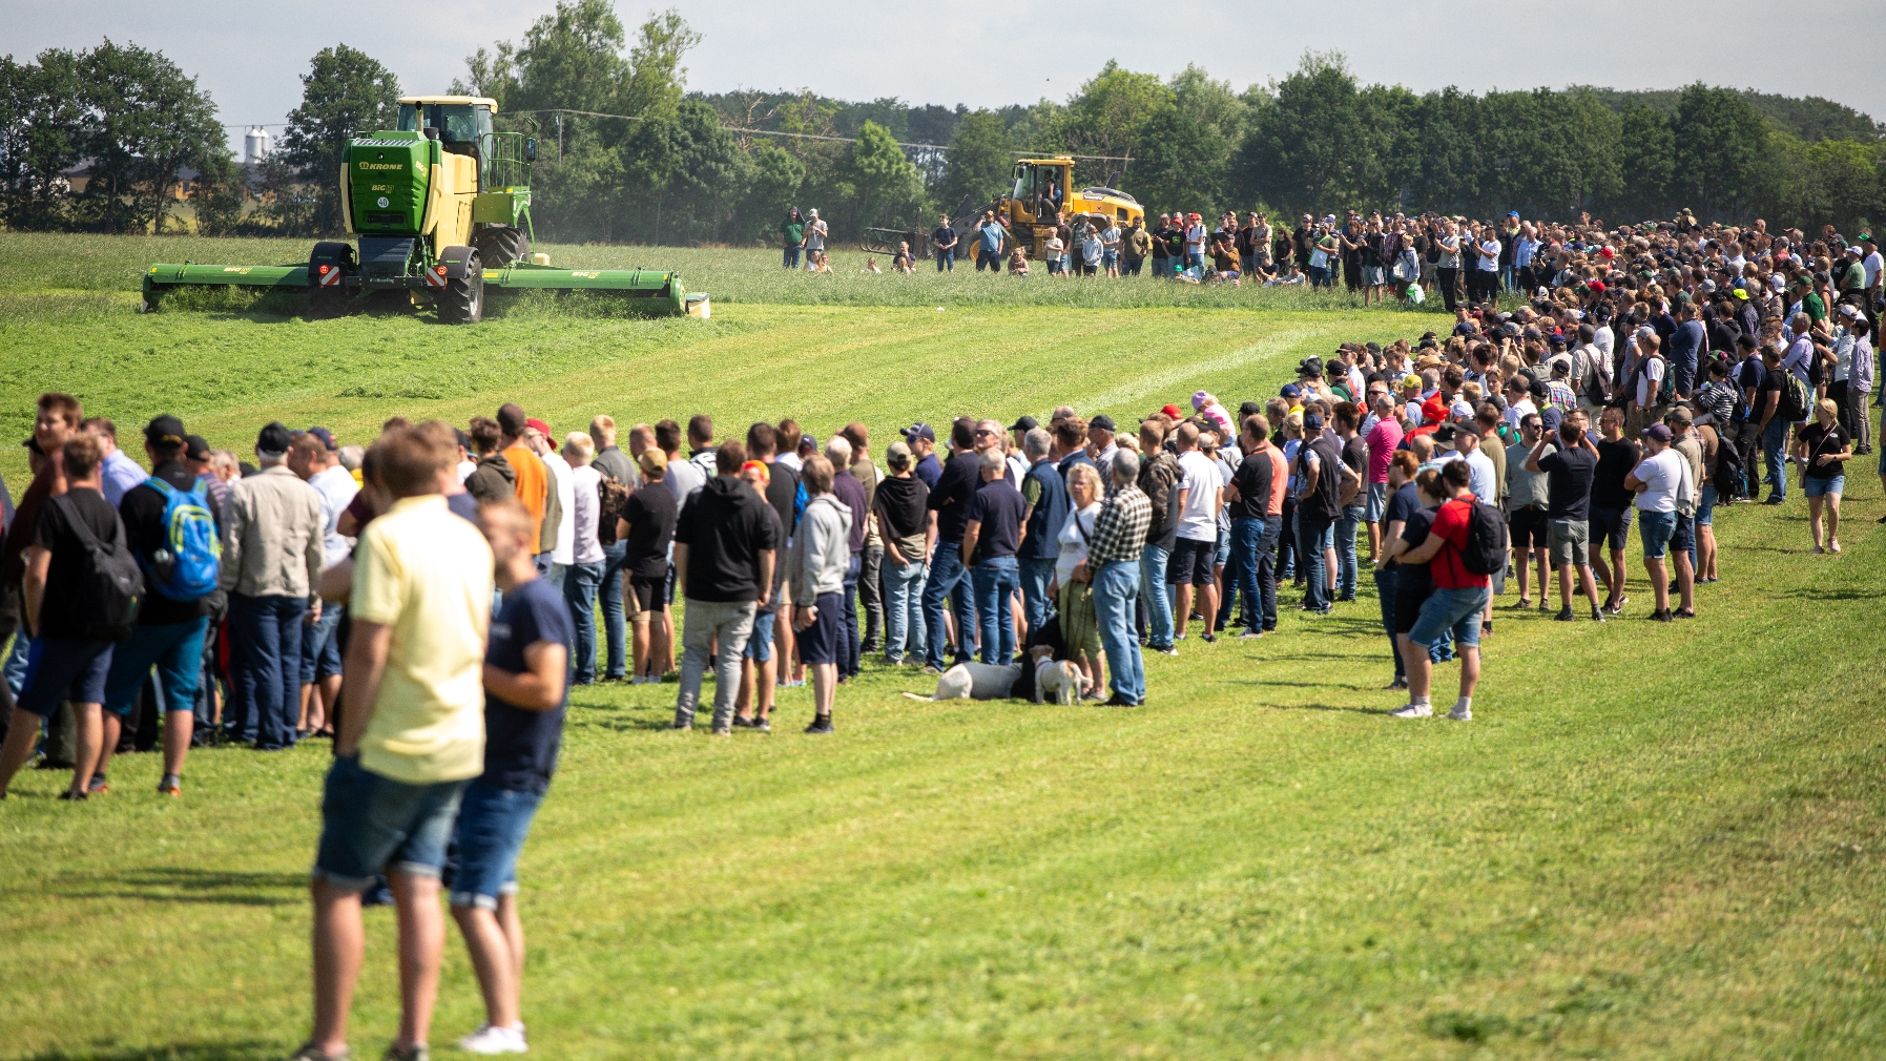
column 1120, row 529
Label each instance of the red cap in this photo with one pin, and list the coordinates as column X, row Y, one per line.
column 1607, row 253
column 1172, row 411
column 540, row 426
column 1434, row 410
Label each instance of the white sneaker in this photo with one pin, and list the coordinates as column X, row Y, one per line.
column 1461, row 714
column 492, row 1040
column 1413, row 711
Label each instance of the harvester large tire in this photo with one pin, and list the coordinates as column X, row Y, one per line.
column 463, row 300
column 500, row 246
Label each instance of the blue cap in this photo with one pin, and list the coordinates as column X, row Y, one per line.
column 1291, row 390
column 1312, row 422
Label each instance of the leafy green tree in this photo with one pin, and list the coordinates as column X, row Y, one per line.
column 769, row 186
column 1646, row 163
column 217, row 198
column 691, row 170
column 1721, row 158
column 147, row 119
column 979, row 162
column 880, row 185
column 1311, row 148
column 1185, row 159
column 41, row 124
column 1444, row 162
column 345, row 93
column 1109, row 114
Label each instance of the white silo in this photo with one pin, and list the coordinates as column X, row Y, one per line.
column 255, row 145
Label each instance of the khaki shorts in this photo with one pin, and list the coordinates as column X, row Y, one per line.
column 1569, row 539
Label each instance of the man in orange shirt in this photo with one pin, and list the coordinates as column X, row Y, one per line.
column 533, row 479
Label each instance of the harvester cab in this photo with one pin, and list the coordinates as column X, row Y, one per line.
column 440, row 208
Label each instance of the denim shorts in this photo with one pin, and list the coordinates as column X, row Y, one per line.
column 492, row 824
column 321, row 646
column 1656, row 529
column 1456, row 611
column 1222, row 554
column 1374, row 275
column 1376, row 506
column 1813, row 487
column 372, row 824
column 822, row 641
column 1706, row 506
column 760, row 644
column 61, row 670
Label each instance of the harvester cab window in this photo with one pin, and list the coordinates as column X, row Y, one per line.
column 460, row 125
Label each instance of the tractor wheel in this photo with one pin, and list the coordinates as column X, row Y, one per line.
column 501, row 245
column 463, row 300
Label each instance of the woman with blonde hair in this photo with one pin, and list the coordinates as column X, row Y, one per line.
column 1823, row 448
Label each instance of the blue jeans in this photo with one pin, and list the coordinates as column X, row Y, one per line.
column 946, row 575
column 903, row 611
column 613, row 613
column 1774, row 441
column 1116, row 586
column 792, row 256
column 265, row 636
column 1267, row 571
column 372, row 824
column 492, row 825
column 996, row 580
column 1247, row 544
column 13, row 671
column 1152, row 590
column 321, row 646
column 848, row 653
column 1346, row 550
column 579, row 592
column 1385, row 581
column 946, row 261
column 1311, row 529
column 1037, row 605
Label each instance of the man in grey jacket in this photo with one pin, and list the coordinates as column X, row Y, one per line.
column 816, row 567
column 272, row 557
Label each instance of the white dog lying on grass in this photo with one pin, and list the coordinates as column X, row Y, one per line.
column 1056, row 681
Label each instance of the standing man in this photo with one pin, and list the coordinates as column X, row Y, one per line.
column 990, row 238
column 1658, row 479
column 583, row 578
column 1383, row 438
column 1044, row 497
column 991, row 538
column 1459, row 600
column 1321, row 474
column 1527, row 498
column 618, row 468
column 724, row 549
column 411, row 737
column 273, row 552
column 526, row 696
column 1570, row 470
column 316, row 459
column 851, row 493
column 871, row 572
column 1355, row 462
column 74, row 627
column 949, row 504
column 943, row 242
column 119, row 473
column 529, row 477
column 170, row 530
column 1112, row 566
column 1159, row 477
column 559, row 529
column 1248, row 496
column 1201, row 493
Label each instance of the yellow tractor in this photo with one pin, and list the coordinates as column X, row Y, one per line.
column 1045, row 185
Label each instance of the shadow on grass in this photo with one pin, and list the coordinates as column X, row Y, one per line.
column 180, row 884
column 624, row 725
column 106, row 1051
column 1813, row 593
column 1349, row 708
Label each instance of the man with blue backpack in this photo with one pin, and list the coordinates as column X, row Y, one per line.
column 170, row 529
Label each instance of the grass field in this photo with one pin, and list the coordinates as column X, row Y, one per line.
column 1652, row 841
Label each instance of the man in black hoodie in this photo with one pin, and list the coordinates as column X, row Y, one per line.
column 493, row 478
column 724, row 548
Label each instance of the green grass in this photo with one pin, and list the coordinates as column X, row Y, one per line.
column 1652, row 841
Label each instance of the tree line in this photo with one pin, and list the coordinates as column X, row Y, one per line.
column 647, row 161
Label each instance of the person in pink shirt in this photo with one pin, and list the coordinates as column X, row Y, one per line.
column 1383, row 439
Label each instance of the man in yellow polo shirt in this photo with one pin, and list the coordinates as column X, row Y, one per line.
column 410, row 738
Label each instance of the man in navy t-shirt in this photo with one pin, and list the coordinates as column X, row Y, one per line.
column 526, row 693
column 992, row 535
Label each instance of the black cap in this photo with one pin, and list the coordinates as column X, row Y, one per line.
column 1102, row 421
column 196, row 447
column 273, row 440
column 326, row 437
column 1025, row 423
column 164, row 432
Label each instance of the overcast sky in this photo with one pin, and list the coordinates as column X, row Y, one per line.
column 250, row 56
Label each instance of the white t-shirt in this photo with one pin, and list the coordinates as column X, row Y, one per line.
column 586, row 505
column 1199, row 478
column 565, row 550
column 337, row 489
column 1662, row 475
column 1073, row 544
column 1870, row 265
column 1652, row 371
column 1516, row 412
column 1487, row 264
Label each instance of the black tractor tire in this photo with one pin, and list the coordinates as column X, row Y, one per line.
column 463, row 300
column 499, row 246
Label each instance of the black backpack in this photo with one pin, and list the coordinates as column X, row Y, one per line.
column 1485, row 552
column 611, row 495
column 109, row 579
